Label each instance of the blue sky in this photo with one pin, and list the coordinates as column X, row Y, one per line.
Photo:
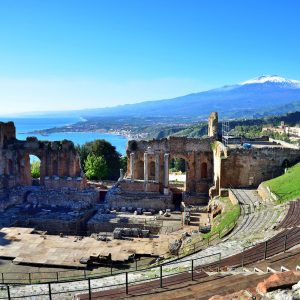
column 57, row 55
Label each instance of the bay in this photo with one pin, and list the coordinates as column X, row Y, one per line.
column 26, row 125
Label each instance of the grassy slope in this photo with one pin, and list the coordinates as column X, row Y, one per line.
column 229, row 216
column 287, row 186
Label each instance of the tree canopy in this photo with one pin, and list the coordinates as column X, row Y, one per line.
column 177, row 165
column 95, row 167
column 108, row 152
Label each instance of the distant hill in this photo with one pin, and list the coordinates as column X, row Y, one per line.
column 258, row 97
column 265, row 95
column 248, row 127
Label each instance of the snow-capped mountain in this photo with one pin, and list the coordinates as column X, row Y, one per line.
column 273, row 79
column 258, row 96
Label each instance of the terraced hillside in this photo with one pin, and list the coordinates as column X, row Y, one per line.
column 258, row 218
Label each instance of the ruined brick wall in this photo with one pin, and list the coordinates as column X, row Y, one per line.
column 61, row 177
column 64, row 197
column 66, row 224
column 58, row 159
column 196, row 152
column 55, row 182
column 117, row 198
column 139, row 186
column 171, row 144
column 249, row 167
column 7, row 133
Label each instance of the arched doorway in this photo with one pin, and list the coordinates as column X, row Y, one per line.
column 35, row 170
column 30, row 169
column 177, row 179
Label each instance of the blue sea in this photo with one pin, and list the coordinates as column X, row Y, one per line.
column 26, row 125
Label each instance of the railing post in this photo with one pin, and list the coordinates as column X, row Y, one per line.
column 243, row 257
column 57, row 276
column 2, row 277
column 8, row 292
column 49, row 289
column 266, row 247
column 90, row 291
column 126, row 278
column 29, row 278
column 219, row 265
column 161, row 278
column 111, row 271
column 285, row 242
column 192, row 269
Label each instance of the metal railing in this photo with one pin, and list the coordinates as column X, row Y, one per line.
column 166, row 274
column 109, row 269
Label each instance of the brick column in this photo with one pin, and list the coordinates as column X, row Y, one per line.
column 157, row 167
column 145, row 166
column 166, row 173
column 132, row 163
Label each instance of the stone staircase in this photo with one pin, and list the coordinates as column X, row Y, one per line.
column 195, row 219
column 257, row 218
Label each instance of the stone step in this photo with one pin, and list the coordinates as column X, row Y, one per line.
column 194, row 223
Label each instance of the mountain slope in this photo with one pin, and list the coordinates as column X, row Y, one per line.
column 261, row 96
column 258, row 95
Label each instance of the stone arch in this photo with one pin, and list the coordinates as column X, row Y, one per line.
column 204, row 170
column 139, row 170
column 179, row 155
column 35, row 177
column 178, row 182
column 24, row 166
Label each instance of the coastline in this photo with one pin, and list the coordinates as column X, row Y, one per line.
column 122, row 133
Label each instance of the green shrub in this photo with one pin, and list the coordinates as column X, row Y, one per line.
column 35, row 169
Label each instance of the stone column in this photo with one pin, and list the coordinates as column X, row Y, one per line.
column 157, row 167
column 121, row 174
column 213, row 125
column 132, row 165
column 166, row 173
column 145, row 166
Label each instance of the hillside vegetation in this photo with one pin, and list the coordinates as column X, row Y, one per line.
column 229, row 215
column 162, row 127
column 287, row 186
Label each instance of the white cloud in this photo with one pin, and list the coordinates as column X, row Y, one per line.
column 26, row 95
